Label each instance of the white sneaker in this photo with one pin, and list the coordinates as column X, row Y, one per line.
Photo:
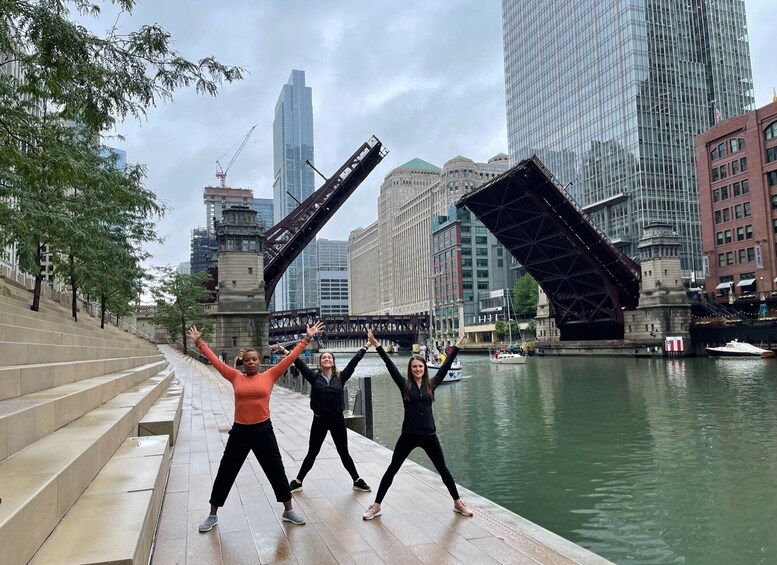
column 461, row 507
column 293, row 516
column 373, row 510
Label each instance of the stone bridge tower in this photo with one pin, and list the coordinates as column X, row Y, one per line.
column 241, row 316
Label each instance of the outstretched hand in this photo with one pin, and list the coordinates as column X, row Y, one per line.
column 371, row 339
column 461, row 340
column 195, row 334
column 279, row 348
column 314, row 329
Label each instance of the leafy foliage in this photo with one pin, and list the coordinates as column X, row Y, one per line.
column 179, row 300
column 61, row 88
column 525, row 295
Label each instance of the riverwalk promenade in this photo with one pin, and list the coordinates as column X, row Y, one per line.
column 418, row 524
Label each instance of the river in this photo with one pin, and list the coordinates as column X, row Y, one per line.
column 638, row 460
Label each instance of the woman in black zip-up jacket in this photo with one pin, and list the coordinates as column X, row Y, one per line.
column 326, row 401
column 418, row 429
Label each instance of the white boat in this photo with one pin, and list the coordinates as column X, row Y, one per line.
column 738, row 348
column 453, row 375
column 507, row 358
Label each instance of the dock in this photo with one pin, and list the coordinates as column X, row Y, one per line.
column 418, row 524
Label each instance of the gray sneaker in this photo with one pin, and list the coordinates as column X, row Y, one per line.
column 293, row 516
column 209, row 522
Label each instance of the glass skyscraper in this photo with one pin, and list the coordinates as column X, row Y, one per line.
column 293, row 182
column 610, row 96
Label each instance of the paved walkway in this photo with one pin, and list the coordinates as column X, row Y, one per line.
column 418, row 524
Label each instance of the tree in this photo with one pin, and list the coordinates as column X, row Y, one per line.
column 525, row 295
column 500, row 329
column 179, row 300
column 67, row 86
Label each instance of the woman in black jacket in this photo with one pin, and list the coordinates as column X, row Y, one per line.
column 326, row 401
column 418, row 429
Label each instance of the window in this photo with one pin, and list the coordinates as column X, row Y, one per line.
column 741, row 143
column 735, row 189
column 466, row 240
column 726, row 214
column 483, row 274
column 722, row 149
column 747, row 209
column 732, row 144
column 724, row 193
column 730, row 258
column 482, row 251
column 774, row 201
column 741, row 256
column 719, row 237
column 715, row 173
column 751, row 254
column 727, row 235
column 771, row 178
column 738, row 211
column 774, row 226
column 734, row 167
column 771, row 154
column 482, row 262
column 721, row 259
column 723, row 171
column 481, row 240
column 718, row 217
column 466, row 274
column 250, row 270
column 749, row 231
column 482, row 285
column 745, row 186
column 743, row 164
column 716, row 195
column 714, row 154
column 740, row 234
column 771, row 131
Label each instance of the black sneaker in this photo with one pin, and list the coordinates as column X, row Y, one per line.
column 359, row 484
column 295, row 486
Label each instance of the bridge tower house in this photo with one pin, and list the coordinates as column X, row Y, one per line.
column 663, row 309
column 240, row 316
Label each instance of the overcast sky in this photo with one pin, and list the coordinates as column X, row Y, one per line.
column 426, row 77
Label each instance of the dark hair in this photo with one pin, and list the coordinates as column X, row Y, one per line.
column 335, row 372
column 424, row 379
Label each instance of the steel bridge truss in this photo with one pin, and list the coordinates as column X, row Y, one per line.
column 290, row 325
column 588, row 281
column 285, row 241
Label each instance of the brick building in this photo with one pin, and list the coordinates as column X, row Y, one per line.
column 736, row 164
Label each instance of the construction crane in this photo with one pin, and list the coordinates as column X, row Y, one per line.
column 221, row 173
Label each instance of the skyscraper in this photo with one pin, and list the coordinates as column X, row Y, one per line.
column 293, row 182
column 332, row 261
column 610, row 95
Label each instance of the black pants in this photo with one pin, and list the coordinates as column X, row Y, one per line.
column 334, row 424
column 259, row 438
column 407, row 443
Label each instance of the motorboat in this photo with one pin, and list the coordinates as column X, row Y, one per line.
column 507, row 357
column 738, row 348
column 453, row 375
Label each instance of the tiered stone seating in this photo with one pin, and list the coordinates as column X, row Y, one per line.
column 71, row 395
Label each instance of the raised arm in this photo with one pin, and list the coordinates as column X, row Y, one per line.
column 346, row 373
column 442, row 371
column 308, row 373
column 277, row 371
column 224, row 370
column 392, row 369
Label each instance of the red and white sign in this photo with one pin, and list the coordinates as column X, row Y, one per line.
column 673, row 344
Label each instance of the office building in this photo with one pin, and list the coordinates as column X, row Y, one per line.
column 293, row 182
column 610, row 96
column 219, row 198
column 332, row 261
column 737, row 170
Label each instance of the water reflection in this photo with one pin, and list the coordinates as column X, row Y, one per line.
column 640, row 460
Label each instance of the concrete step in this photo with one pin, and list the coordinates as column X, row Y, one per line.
column 30, row 353
column 39, row 484
column 19, row 380
column 164, row 417
column 115, row 519
column 19, row 334
column 16, row 305
column 26, row 419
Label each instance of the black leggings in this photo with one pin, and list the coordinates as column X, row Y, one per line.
column 335, row 424
column 407, row 443
column 259, row 438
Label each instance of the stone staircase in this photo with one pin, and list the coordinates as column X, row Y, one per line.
column 77, row 484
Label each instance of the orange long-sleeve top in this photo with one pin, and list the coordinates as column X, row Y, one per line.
column 252, row 393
